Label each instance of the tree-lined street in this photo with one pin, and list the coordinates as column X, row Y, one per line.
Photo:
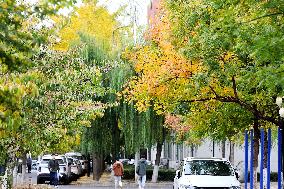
column 77, row 77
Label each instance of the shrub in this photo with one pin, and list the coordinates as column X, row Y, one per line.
column 164, row 174
column 273, row 177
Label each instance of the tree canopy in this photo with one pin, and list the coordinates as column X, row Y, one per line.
column 217, row 63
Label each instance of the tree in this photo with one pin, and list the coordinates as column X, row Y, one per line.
column 19, row 40
column 88, row 19
column 232, row 40
column 64, row 104
column 224, row 46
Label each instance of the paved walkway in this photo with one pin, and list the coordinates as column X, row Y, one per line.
column 107, row 180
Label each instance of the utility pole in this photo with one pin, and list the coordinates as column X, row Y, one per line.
column 134, row 22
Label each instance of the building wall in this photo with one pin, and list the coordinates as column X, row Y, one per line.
column 153, row 10
column 177, row 152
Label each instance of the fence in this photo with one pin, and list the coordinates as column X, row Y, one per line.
column 263, row 175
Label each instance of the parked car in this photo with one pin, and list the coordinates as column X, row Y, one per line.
column 206, row 173
column 164, row 163
column 34, row 164
column 124, row 161
column 76, row 168
column 43, row 174
column 131, row 162
column 79, row 157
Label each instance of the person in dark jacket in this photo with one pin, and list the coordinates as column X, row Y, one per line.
column 29, row 164
column 53, row 167
column 141, row 172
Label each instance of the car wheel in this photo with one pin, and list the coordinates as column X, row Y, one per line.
column 38, row 181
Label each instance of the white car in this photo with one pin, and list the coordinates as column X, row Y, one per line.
column 43, row 174
column 131, row 162
column 78, row 156
column 206, row 173
column 76, row 168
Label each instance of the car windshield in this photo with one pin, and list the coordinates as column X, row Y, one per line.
column 45, row 161
column 208, row 167
column 76, row 157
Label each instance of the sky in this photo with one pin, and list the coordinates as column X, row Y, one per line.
column 113, row 6
column 141, row 8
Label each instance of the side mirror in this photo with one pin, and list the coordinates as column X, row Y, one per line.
column 236, row 173
column 178, row 174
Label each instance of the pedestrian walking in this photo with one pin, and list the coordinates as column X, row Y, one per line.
column 118, row 173
column 29, row 164
column 53, row 167
column 141, row 172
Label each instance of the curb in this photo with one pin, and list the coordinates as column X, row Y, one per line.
column 125, row 183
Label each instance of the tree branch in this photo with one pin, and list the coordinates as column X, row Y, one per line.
column 269, row 119
column 235, row 87
column 214, row 91
column 267, row 15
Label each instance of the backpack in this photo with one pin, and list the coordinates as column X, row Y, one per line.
column 141, row 168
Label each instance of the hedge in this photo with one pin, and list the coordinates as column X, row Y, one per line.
column 273, row 177
column 169, row 174
column 164, row 174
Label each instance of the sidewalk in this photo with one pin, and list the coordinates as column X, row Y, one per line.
column 107, row 180
column 273, row 185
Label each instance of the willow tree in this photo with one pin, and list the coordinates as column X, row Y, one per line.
column 91, row 29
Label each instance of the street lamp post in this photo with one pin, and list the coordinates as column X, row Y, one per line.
column 279, row 102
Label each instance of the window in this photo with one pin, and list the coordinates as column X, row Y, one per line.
column 208, row 167
column 45, row 161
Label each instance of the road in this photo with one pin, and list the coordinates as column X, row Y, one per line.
column 105, row 187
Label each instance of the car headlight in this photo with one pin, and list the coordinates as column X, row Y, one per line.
column 235, row 187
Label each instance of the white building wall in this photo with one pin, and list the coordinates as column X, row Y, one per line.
column 177, row 152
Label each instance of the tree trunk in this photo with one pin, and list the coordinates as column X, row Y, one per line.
column 10, row 165
column 137, row 155
column 24, row 167
column 255, row 151
column 265, row 160
column 223, row 148
column 102, row 164
column 157, row 162
column 96, row 167
column 232, row 153
column 192, row 150
column 149, row 154
column 116, row 139
column 7, row 181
